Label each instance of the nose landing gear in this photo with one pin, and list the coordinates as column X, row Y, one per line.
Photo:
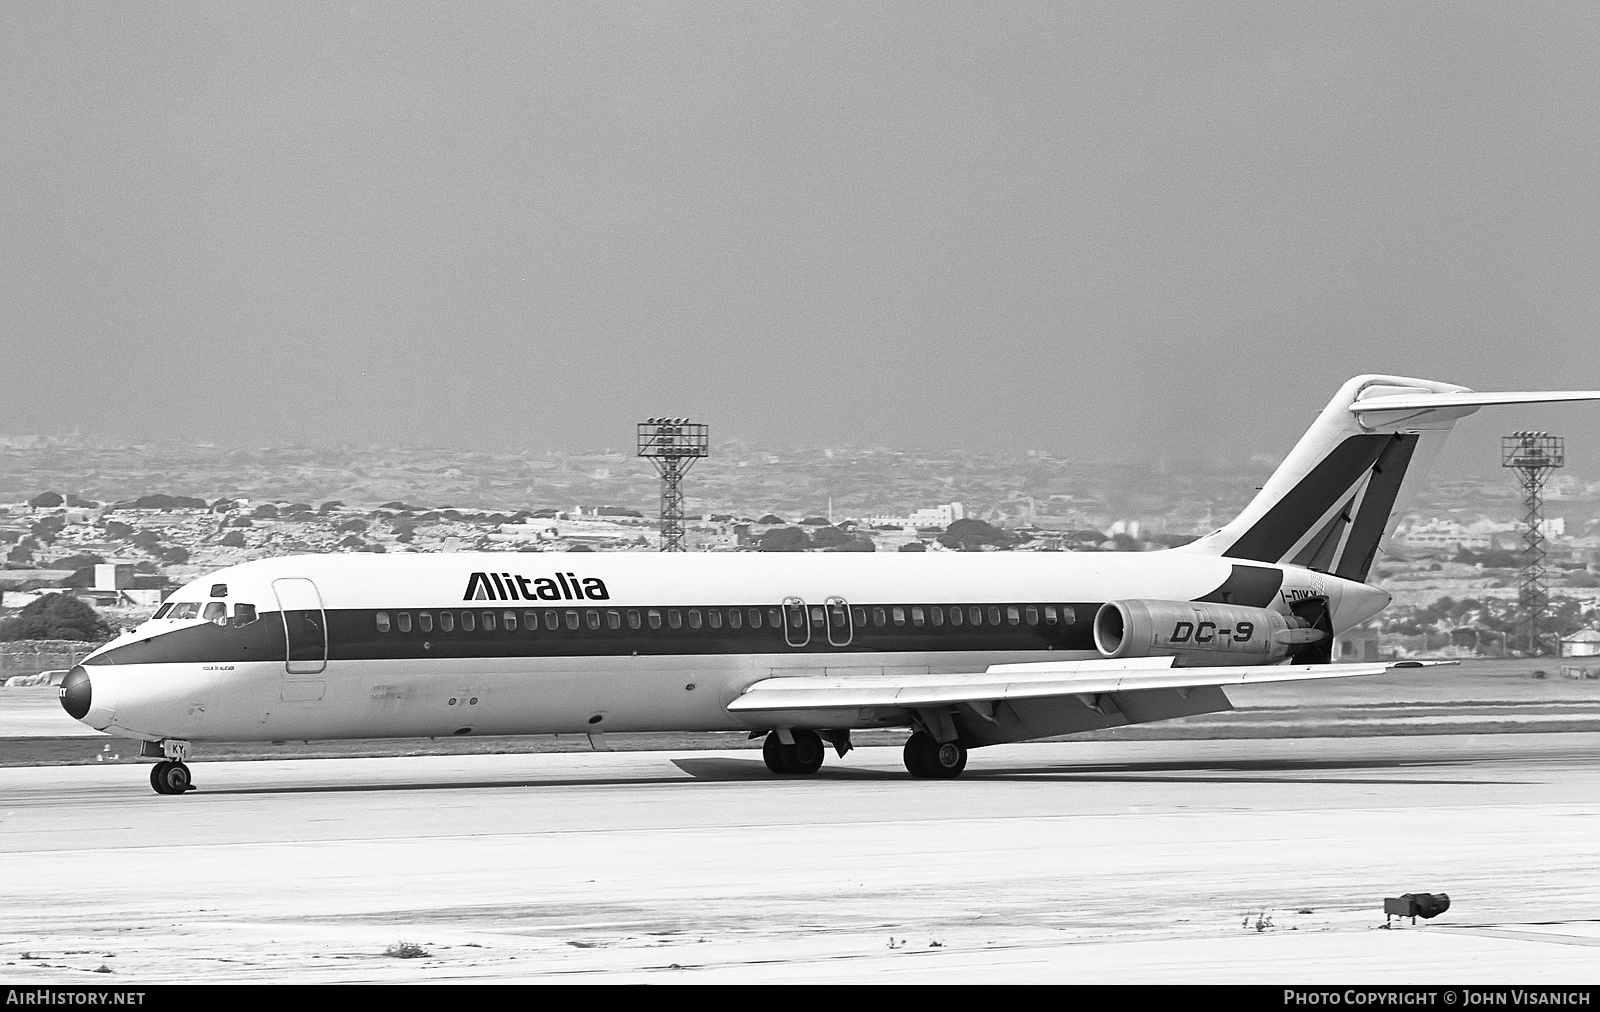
column 171, row 778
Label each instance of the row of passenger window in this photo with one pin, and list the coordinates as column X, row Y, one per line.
column 732, row 618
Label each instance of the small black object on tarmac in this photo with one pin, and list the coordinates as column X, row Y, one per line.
column 1414, row 905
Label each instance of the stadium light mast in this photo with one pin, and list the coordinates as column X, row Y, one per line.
column 673, row 445
column 1533, row 455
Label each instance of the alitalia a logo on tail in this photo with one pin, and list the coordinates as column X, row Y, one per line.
column 515, row 587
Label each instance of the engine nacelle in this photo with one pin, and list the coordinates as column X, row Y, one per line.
column 1199, row 633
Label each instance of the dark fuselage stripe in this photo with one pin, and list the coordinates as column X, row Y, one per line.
column 355, row 634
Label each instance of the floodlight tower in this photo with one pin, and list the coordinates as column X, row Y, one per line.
column 673, row 445
column 1533, row 455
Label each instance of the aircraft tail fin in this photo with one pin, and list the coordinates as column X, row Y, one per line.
column 1337, row 496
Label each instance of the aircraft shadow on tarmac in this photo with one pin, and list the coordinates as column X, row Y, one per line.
column 724, row 769
column 721, row 768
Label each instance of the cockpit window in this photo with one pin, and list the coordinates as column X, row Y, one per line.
column 214, row 610
column 161, row 612
column 219, row 590
column 185, row 609
column 243, row 614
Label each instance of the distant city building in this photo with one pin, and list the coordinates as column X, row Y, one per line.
column 938, row 517
column 1583, row 643
column 1482, row 535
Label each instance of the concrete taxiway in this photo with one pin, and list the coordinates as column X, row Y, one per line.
column 1127, row 861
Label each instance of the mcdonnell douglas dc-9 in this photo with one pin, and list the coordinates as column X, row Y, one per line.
column 963, row 649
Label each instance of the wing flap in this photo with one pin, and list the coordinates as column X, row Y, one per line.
column 1025, row 681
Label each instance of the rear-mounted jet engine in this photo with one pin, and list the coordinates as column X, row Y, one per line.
column 1199, row 634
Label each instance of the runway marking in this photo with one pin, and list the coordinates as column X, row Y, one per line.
column 1519, row 935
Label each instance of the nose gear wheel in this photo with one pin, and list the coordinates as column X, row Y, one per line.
column 171, row 778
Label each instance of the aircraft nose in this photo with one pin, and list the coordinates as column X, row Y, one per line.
column 76, row 693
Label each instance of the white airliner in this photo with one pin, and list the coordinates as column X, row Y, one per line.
column 965, row 649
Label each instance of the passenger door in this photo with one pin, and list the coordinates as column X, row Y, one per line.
column 305, row 625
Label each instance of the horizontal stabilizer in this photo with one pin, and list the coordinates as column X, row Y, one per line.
column 1026, row 681
column 1386, row 410
column 1336, row 498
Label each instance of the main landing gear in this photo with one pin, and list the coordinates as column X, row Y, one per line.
column 803, row 757
column 171, row 778
column 928, row 759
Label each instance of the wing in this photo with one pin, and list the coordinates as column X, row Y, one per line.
column 1012, row 682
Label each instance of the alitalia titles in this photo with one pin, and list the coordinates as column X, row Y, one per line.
column 516, row 587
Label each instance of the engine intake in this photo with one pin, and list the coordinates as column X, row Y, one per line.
column 1199, row 633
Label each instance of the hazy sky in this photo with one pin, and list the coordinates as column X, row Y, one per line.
column 1172, row 227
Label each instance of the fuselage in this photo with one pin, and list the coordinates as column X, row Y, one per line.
column 367, row 646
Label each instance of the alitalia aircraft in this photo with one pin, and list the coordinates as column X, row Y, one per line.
column 964, row 649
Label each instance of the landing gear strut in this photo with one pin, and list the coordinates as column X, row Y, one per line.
column 928, row 759
column 803, row 757
column 171, row 778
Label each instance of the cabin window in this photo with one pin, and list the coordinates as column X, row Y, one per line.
column 1013, row 614
column 816, row 616
column 469, row 621
column 243, row 614
column 383, row 621
column 447, row 621
column 1068, row 616
column 572, row 620
column 530, row 621
column 633, row 618
column 917, row 617
column 879, row 616
column 653, row 616
column 899, row 616
column 936, row 615
column 425, row 621
column 1050, row 614
column 714, row 618
column 675, row 618
column 214, row 610
column 614, row 619
column 402, row 621
column 591, row 618
column 161, row 612
column 975, row 616
column 508, row 621
column 694, row 618
column 836, row 616
column 994, row 615
column 488, row 621
column 797, row 618
column 552, row 621
column 860, row 615
column 755, row 618
column 735, row 618
column 955, row 616
column 1033, row 615
column 775, row 618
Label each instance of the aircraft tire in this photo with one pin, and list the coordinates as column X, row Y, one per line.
column 927, row 759
column 803, row 758
column 916, row 755
column 772, row 753
column 806, row 754
column 171, row 778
